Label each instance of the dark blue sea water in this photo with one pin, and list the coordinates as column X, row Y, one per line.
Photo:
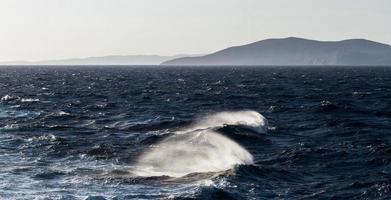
column 82, row 132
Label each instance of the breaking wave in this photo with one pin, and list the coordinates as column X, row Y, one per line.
column 199, row 148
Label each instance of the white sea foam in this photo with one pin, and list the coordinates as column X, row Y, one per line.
column 62, row 113
column 9, row 127
column 6, row 98
column 251, row 119
column 49, row 137
column 199, row 148
column 23, row 100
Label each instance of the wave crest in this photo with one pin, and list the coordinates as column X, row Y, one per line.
column 198, row 148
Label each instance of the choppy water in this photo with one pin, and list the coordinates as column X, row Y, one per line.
column 153, row 133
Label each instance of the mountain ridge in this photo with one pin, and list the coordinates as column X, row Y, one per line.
column 296, row 51
column 103, row 60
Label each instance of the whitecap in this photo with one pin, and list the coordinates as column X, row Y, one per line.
column 61, row 113
column 199, row 148
column 49, row 137
column 247, row 118
column 6, row 97
column 10, row 127
column 28, row 100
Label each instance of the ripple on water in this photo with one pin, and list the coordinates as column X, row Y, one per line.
column 12, row 112
column 77, row 133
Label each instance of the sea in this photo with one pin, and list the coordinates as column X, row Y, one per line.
column 228, row 132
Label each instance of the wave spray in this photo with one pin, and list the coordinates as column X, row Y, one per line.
column 199, row 148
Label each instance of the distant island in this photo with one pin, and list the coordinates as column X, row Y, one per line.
column 271, row 52
column 296, row 51
column 103, row 60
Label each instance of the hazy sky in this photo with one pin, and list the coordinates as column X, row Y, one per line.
column 54, row 29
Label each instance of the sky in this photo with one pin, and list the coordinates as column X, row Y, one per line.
column 35, row 30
